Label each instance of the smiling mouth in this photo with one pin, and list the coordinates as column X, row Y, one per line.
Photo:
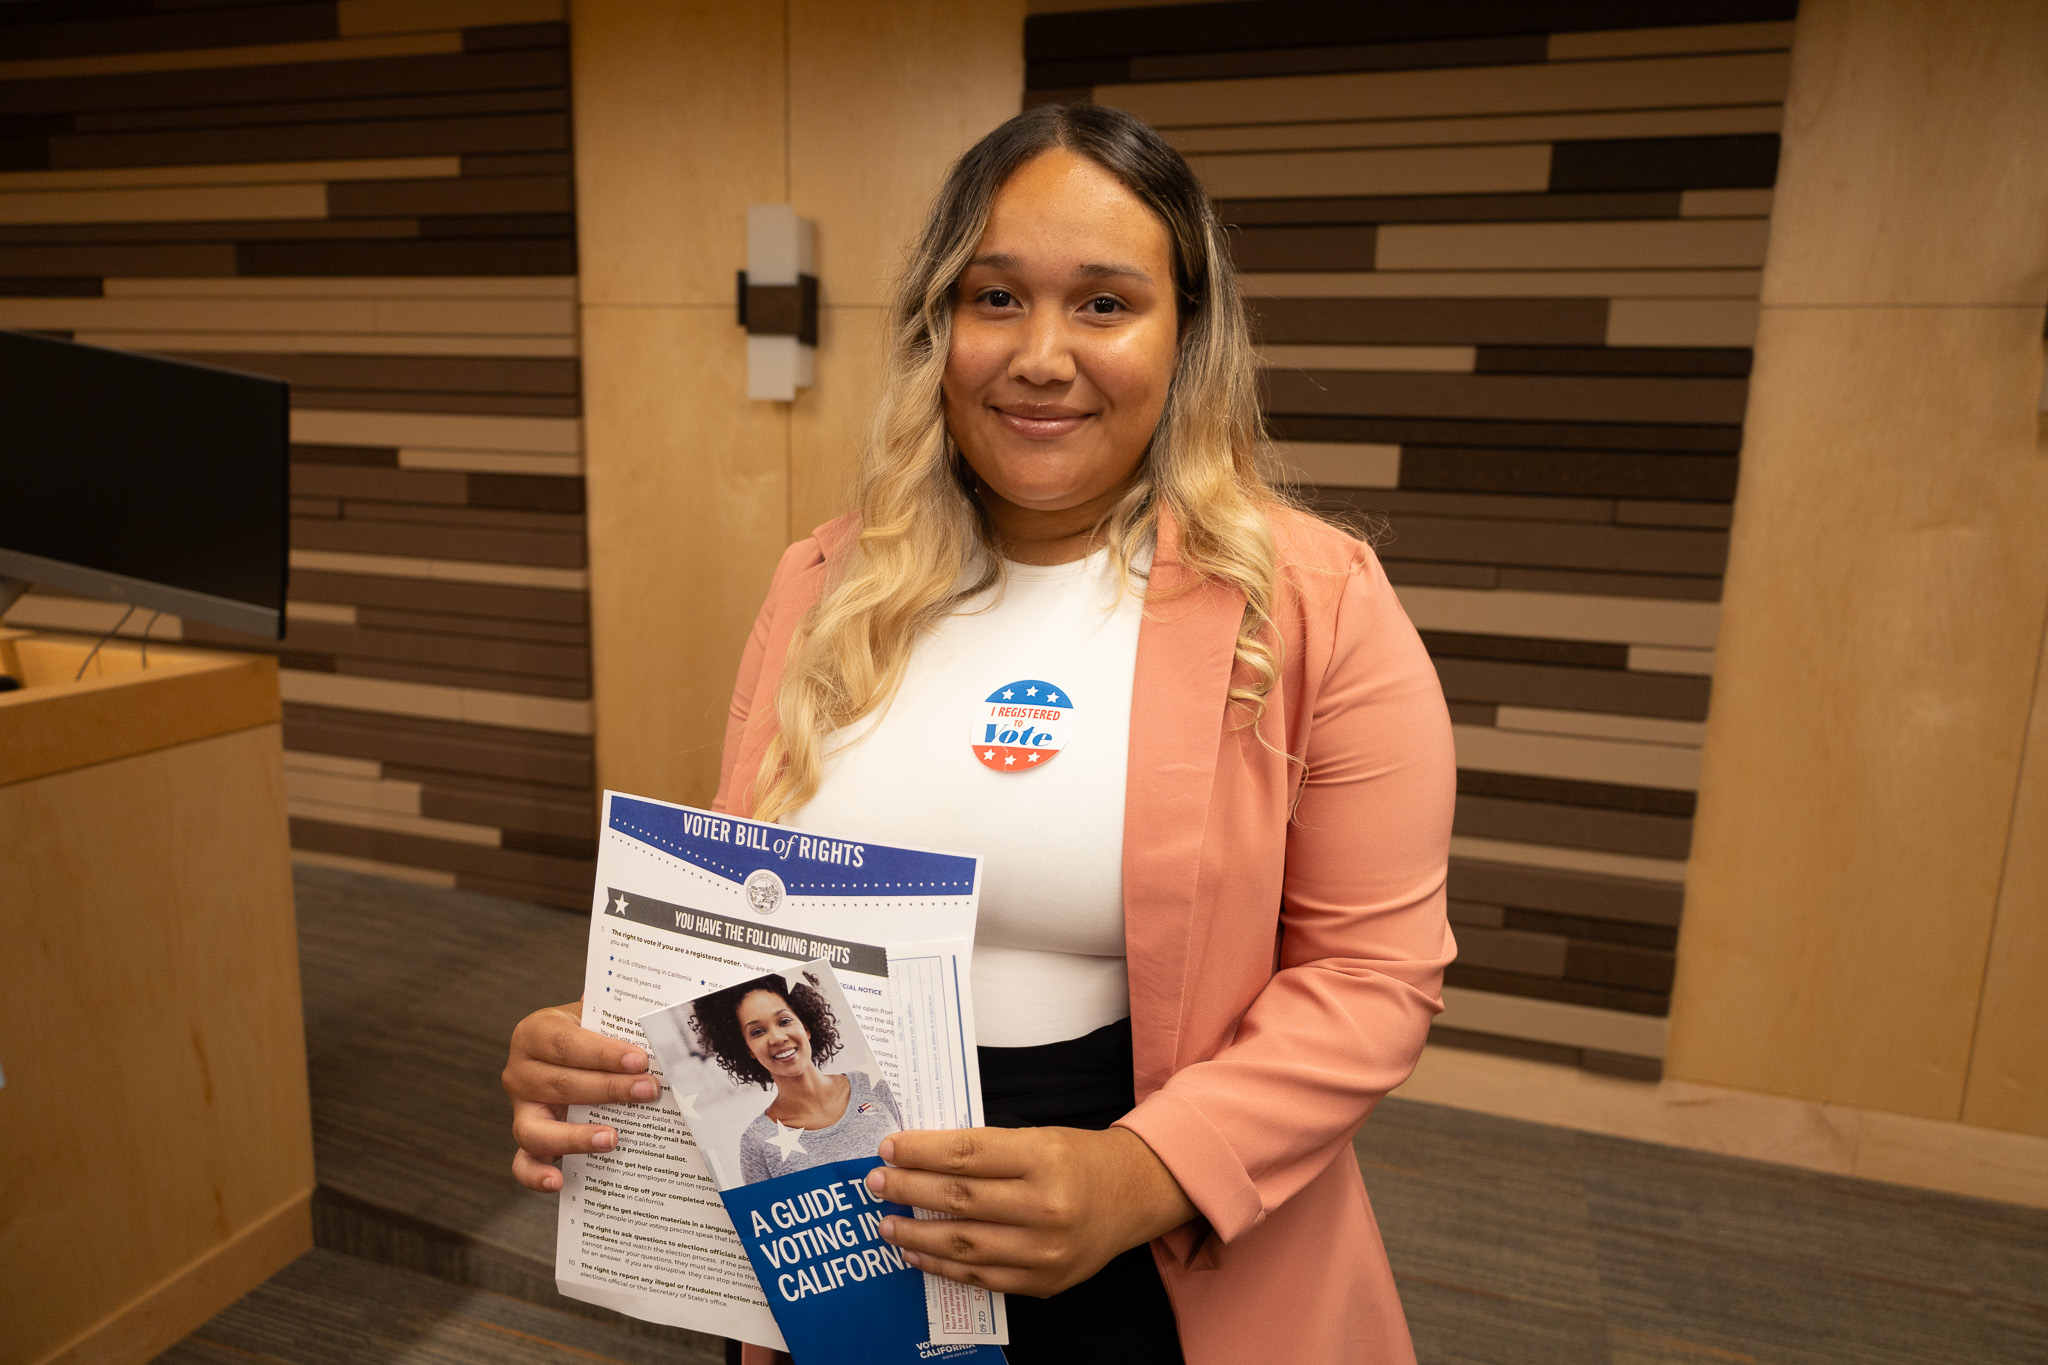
column 783, row 1055
column 1041, row 421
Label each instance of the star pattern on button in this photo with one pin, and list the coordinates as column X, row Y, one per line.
column 1009, row 758
column 1053, row 697
column 1007, row 694
column 1030, row 691
column 789, row 1141
column 1032, row 759
column 988, row 753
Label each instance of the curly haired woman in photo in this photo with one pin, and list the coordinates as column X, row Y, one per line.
column 767, row 1033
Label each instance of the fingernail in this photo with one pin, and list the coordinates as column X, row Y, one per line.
column 888, row 1229
column 553, row 1182
column 888, row 1152
column 912, row 1259
column 875, row 1180
column 605, row 1140
column 634, row 1061
column 645, row 1090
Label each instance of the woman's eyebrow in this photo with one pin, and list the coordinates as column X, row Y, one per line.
column 1092, row 270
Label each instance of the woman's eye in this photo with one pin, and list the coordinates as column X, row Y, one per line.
column 998, row 298
column 1103, row 305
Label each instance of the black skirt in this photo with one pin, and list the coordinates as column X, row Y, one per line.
column 1122, row 1314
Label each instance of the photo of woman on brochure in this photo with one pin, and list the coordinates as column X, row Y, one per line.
column 778, row 1033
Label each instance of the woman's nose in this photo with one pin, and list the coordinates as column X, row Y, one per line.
column 1044, row 354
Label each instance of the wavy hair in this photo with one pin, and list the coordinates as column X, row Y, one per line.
column 925, row 543
column 716, row 1022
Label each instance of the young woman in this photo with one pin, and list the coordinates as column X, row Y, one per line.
column 1212, row 929
column 767, row 1033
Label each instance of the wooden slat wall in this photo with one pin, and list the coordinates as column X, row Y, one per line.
column 373, row 200
column 1505, row 260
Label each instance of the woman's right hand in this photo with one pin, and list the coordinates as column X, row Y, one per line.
column 555, row 1063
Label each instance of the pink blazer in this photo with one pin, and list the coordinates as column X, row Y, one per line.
column 1285, row 924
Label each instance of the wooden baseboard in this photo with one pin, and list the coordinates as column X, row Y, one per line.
column 160, row 1317
column 1957, row 1158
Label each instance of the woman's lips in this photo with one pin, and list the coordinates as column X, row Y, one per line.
column 1041, row 423
column 783, row 1055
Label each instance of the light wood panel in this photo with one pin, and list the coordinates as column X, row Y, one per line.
column 159, row 893
column 828, row 423
column 1886, row 586
column 679, row 113
column 2008, row 1083
column 689, row 511
column 882, row 98
column 1909, row 173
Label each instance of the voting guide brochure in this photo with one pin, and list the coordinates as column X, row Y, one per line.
column 764, row 970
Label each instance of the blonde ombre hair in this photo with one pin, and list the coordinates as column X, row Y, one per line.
column 925, row 544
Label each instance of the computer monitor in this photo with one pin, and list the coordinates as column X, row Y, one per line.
column 137, row 479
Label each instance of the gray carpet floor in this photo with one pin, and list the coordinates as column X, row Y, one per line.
column 1513, row 1243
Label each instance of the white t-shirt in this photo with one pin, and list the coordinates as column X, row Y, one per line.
column 1008, row 738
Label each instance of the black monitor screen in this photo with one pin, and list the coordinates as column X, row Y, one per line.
column 145, row 480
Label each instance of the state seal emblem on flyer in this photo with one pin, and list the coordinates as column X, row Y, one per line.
column 764, row 891
column 1021, row 726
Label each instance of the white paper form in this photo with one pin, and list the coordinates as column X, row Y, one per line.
column 689, row 900
column 942, row 1089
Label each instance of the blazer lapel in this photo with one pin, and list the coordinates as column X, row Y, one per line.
column 1186, row 652
column 802, row 594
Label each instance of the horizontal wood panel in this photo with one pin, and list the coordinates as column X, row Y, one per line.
column 1451, row 132
column 1561, row 398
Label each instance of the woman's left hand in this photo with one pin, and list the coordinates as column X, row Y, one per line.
column 1034, row 1210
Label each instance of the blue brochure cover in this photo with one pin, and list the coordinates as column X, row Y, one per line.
column 838, row 1291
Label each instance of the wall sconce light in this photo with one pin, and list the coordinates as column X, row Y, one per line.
column 778, row 302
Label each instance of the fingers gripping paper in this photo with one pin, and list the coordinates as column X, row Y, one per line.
column 736, row 1206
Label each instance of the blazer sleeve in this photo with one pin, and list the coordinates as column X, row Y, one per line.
column 1364, row 937
column 753, row 660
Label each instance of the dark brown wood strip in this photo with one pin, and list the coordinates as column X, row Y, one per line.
column 1511, row 950
column 325, row 111
column 1473, row 540
column 354, row 481
column 237, row 26
column 510, row 813
column 343, row 80
column 501, row 519
column 442, row 542
column 1450, row 208
column 424, row 373
column 1400, row 503
column 489, row 195
column 386, row 400
column 1333, row 57
column 1719, row 438
column 1555, row 398
column 315, row 507
column 1742, row 161
column 1557, row 359
column 1302, row 248
column 524, row 756
column 1584, row 473
column 48, row 286
column 359, row 456
column 1705, row 588
column 1614, row 964
column 525, row 684
column 1557, row 687
column 527, row 492
column 1515, row 649
column 225, row 230
column 1430, row 574
column 518, row 256
column 1565, row 992
column 1239, row 24
column 488, row 600
column 500, row 225
column 1591, row 930
column 503, row 37
column 1565, row 791
column 1574, row 893
column 406, row 646
column 1432, row 322
column 1610, row 831
column 315, row 141
column 171, row 262
column 480, row 627
column 517, row 163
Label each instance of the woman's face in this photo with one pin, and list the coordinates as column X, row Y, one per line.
column 776, row 1037
column 1065, row 336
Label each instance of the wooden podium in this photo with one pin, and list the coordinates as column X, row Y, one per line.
column 156, row 1158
